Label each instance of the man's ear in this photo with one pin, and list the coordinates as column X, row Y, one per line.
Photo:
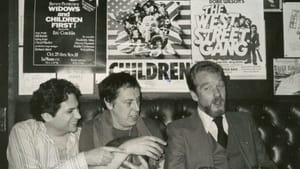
column 194, row 96
column 47, row 117
column 108, row 104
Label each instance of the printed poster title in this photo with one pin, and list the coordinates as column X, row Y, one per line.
column 63, row 20
column 221, row 34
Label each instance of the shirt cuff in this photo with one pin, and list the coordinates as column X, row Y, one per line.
column 82, row 164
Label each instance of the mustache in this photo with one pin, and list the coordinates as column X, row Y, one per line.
column 218, row 100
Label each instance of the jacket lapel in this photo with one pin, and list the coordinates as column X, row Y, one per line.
column 200, row 137
column 238, row 132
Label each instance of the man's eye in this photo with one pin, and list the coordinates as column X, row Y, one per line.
column 128, row 103
column 206, row 88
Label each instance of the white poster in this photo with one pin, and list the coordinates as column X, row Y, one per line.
column 82, row 79
column 30, row 82
column 291, row 29
column 286, row 76
column 231, row 33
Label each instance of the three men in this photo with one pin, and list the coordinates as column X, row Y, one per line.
column 211, row 138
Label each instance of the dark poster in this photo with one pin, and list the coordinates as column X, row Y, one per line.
column 64, row 34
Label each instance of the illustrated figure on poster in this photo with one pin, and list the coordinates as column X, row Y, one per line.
column 147, row 29
column 269, row 4
column 253, row 44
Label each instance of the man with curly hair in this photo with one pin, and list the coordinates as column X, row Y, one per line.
column 50, row 140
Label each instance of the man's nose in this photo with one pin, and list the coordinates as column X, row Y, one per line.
column 77, row 114
column 136, row 106
column 217, row 92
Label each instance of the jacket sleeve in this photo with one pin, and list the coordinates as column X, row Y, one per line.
column 261, row 154
column 86, row 139
column 175, row 152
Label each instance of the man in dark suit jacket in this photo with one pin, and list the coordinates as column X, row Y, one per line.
column 211, row 138
column 120, row 96
column 252, row 39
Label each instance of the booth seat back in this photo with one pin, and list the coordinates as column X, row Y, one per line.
column 278, row 123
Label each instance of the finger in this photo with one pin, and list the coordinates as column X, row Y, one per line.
column 150, row 154
column 143, row 161
column 155, row 145
column 129, row 165
column 107, row 156
column 158, row 140
column 113, row 149
column 155, row 152
column 105, row 160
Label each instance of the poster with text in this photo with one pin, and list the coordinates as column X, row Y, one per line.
column 150, row 39
column 291, row 29
column 64, row 33
column 232, row 34
column 286, row 76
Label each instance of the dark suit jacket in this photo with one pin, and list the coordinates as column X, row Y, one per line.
column 191, row 147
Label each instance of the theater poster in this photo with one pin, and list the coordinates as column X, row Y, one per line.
column 286, row 76
column 291, row 28
column 231, row 33
column 151, row 40
column 273, row 5
column 60, row 33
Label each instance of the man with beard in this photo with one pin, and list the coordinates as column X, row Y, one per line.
column 211, row 137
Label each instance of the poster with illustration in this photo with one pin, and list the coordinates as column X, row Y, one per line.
column 273, row 5
column 151, row 40
column 231, row 33
column 291, row 29
column 286, row 76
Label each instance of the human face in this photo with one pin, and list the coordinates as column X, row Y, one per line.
column 210, row 93
column 253, row 29
column 125, row 108
column 66, row 118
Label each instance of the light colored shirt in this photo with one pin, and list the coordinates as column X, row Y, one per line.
column 210, row 126
column 30, row 147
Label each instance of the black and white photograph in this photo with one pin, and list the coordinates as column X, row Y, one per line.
column 149, row 84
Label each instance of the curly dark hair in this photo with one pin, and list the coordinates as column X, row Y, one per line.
column 109, row 87
column 49, row 96
column 207, row 66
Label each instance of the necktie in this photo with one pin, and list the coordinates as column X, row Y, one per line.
column 222, row 136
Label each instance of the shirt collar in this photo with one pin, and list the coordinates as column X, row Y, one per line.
column 208, row 120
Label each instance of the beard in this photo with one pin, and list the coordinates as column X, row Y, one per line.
column 216, row 107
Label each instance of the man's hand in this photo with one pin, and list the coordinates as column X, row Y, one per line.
column 101, row 156
column 147, row 145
